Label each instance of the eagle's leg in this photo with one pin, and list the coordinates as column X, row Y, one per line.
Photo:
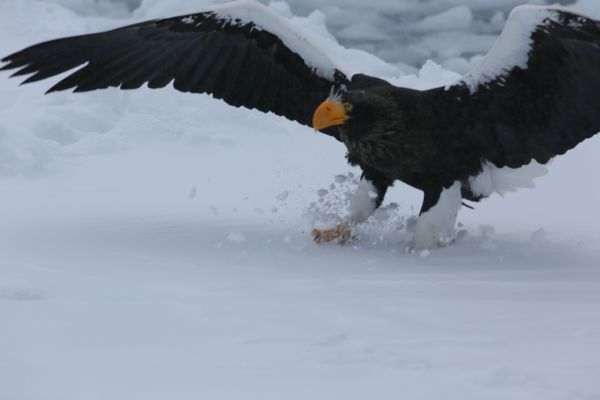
column 437, row 219
column 368, row 197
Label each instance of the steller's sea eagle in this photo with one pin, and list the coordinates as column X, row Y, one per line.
column 534, row 96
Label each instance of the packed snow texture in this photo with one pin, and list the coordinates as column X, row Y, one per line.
column 155, row 244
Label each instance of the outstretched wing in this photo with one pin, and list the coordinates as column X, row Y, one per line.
column 241, row 52
column 536, row 94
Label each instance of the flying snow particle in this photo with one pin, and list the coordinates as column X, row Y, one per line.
column 539, row 236
column 283, row 195
column 236, row 237
column 340, row 178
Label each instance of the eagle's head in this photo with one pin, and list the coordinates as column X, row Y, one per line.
column 366, row 121
column 354, row 113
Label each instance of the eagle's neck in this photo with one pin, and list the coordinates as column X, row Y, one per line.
column 376, row 150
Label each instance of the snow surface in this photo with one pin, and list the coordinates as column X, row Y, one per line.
column 148, row 251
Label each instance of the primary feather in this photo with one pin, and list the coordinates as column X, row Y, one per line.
column 241, row 52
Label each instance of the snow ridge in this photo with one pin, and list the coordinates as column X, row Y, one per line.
column 512, row 46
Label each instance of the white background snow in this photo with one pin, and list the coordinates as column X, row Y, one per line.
column 155, row 245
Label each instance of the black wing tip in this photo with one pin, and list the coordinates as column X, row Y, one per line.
column 10, row 64
column 14, row 60
column 31, row 79
column 22, row 71
column 59, row 87
column 52, row 90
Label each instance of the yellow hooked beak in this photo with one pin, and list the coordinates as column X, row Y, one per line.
column 330, row 113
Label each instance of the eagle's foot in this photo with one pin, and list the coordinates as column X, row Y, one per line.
column 341, row 233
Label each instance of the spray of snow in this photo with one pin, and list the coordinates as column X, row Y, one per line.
column 351, row 200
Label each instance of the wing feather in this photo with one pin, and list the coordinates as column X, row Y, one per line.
column 241, row 52
column 533, row 101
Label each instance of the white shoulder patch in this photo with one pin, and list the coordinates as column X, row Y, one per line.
column 501, row 180
column 250, row 11
column 512, row 46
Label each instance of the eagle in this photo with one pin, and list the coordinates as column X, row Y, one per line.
column 534, row 96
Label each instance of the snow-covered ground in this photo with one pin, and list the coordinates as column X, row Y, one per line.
column 155, row 245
